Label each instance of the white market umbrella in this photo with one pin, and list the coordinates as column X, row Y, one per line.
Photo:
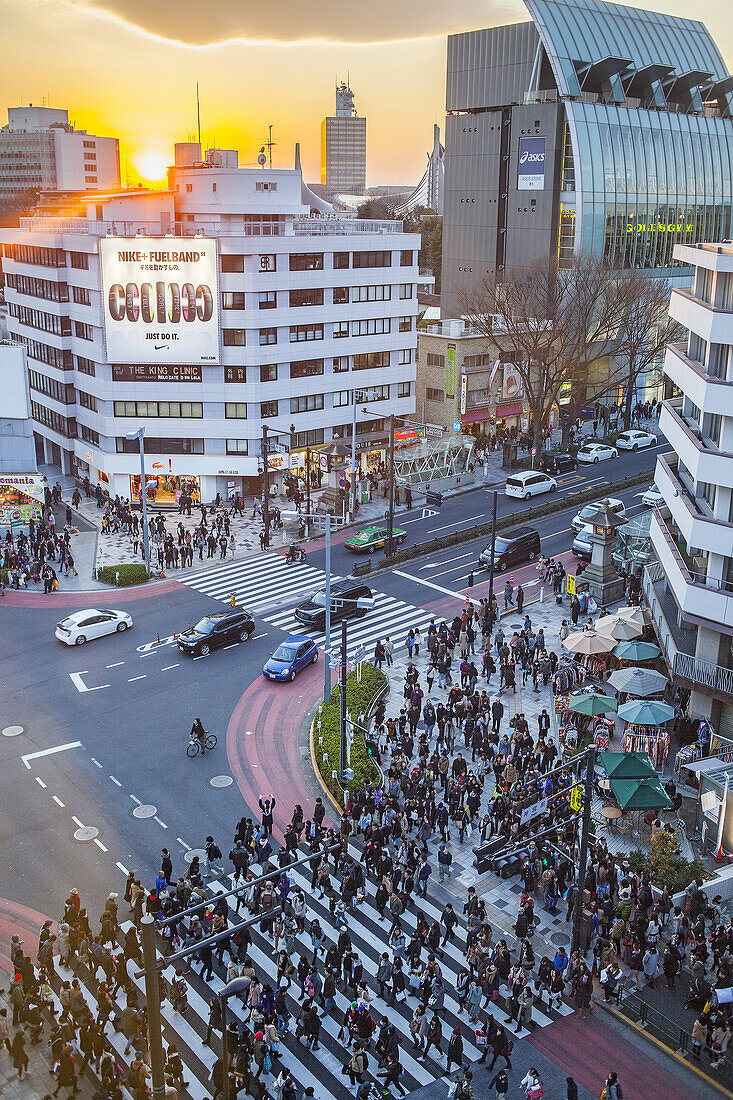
column 618, row 627
column 589, row 642
column 636, row 614
column 638, row 681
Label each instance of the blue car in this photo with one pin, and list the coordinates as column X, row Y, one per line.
column 294, row 653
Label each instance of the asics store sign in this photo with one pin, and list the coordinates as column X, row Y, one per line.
column 531, row 174
column 160, row 299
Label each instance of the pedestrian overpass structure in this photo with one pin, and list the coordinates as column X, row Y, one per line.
column 433, row 459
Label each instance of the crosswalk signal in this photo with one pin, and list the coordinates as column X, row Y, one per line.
column 436, row 499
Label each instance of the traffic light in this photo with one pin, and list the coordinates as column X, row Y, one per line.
column 436, row 499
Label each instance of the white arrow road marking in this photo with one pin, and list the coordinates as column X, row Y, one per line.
column 429, row 584
column 76, row 679
column 49, row 752
column 438, row 564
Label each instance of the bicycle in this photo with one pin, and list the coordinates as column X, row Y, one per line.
column 194, row 745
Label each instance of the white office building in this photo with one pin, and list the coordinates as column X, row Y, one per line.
column 41, row 149
column 292, row 313
column 690, row 591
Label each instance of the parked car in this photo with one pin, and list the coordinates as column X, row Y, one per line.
column 635, row 440
column 557, row 462
column 294, row 653
column 652, row 497
column 585, row 513
column 215, row 630
column 349, row 599
column 95, row 622
column 514, row 548
column 370, row 539
column 596, row 452
column 529, row 483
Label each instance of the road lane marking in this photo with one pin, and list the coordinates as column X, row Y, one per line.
column 437, row 564
column 95, row 761
column 256, row 636
column 161, row 823
column 116, row 664
column 122, row 868
column 49, row 752
column 232, row 646
column 458, row 522
column 132, row 679
column 136, row 800
column 78, row 822
column 168, row 668
column 183, row 844
column 100, row 845
column 58, row 801
column 115, row 781
column 149, row 647
column 428, row 584
column 201, row 657
column 40, row 782
column 76, row 679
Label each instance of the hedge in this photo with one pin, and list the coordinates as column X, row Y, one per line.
column 360, row 698
column 556, row 505
column 123, row 575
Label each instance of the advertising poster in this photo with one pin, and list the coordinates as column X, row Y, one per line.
column 21, row 497
column 161, row 300
column 531, row 175
column 450, row 371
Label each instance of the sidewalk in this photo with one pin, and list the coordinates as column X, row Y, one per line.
column 38, row 1081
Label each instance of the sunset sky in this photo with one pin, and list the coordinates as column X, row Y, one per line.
column 129, row 68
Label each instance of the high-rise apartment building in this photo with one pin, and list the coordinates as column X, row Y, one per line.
column 594, row 128
column 41, row 150
column 202, row 313
column 343, row 147
column 690, row 591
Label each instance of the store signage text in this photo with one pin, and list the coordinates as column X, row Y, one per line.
column 156, row 372
column 660, row 227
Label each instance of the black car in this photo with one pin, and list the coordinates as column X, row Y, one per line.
column 345, row 596
column 220, row 628
column 514, row 548
column 557, row 462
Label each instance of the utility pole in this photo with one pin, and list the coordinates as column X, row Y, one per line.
column 390, row 511
column 152, row 999
column 493, row 547
column 308, row 485
column 583, row 856
column 327, row 643
column 342, row 701
column 265, row 486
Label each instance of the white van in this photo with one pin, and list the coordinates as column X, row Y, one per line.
column 529, row 483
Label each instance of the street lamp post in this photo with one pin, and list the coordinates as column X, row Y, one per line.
column 359, row 395
column 152, row 999
column 493, row 547
column 140, row 434
column 328, row 518
column 583, row 854
column 390, row 511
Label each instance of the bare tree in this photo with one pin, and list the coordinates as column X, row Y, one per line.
column 551, row 325
column 645, row 331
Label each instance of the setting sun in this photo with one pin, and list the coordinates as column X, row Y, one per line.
column 151, row 165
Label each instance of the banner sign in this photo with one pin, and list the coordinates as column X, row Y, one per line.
column 21, row 497
column 531, row 176
column 450, row 373
column 464, row 393
column 156, row 372
column 161, row 299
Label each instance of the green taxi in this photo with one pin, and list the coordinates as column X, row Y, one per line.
column 370, row 539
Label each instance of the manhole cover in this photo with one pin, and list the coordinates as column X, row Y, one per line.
column 560, row 938
column 221, row 781
column 144, row 811
column 12, row 731
column 87, row 832
column 191, row 854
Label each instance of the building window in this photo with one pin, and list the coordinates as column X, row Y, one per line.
column 62, row 424
column 235, row 410
column 86, row 366
column 435, row 360
column 381, row 393
column 340, row 295
column 306, row 368
column 268, row 336
column 232, row 264
column 268, row 409
column 404, row 356
column 59, row 391
column 88, row 400
column 83, row 330
column 371, row 326
column 265, row 186
column 234, row 337
column 341, row 398
column 431, row 394
column 232, row 299
column 340, row 260
column 340, row 330
column 298, row 333
column 79, row 260
column 268, row 372
column 164, row 410
column 406, row 290
column 306, row 261
column 89, row 435
column 340, row 364
column 470, row 361
column 36, row 318
column 82, row 296
column 39, row 257
column 268, row 299
column 372, row 259
column 236, row 446
column 312, row 438
column 404, row 389
column 371, row 293
column 44, row 353
column 235, row 374
column 309, row 296
column 371, row 359
column 161, row 446
column 39, row 288
column 407, row 257
column 405, row 324
column 309, row 403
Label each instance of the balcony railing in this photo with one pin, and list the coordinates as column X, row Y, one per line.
column 714, row 679
column 297, row 227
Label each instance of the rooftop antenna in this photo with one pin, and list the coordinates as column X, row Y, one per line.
column 269, row 143
column 198, row 112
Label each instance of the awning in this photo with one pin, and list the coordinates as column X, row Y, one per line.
column 509, row 410
column 476, row 416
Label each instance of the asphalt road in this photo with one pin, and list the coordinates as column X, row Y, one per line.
column 474, row 507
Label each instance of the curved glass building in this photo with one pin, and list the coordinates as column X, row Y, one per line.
column 595, row 127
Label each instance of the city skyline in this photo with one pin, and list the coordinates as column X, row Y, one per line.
column 135, row 71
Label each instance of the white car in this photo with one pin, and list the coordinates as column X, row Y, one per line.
column 583, row 516
column 95, row 622
column 635, row 440
column 596, row 452
column 529, row 483
column 652, row 497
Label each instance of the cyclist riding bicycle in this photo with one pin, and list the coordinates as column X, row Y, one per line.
column 294, row 552
column 198, row 733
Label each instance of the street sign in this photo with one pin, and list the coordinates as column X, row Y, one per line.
column 323, row 461
column 456, row 425
column 534, row 452
column 273, row 445
column 570, row 584
column 576, row 798
column 531, row 812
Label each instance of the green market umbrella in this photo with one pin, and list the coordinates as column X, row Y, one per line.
column 593, row 704
column 646, row 712
column 627, row 765
column 636, row 651
column 640, row 794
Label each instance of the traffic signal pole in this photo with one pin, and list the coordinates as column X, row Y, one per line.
column 583, row 856
column 266, row 486
column 390, row 511
column 493, row 547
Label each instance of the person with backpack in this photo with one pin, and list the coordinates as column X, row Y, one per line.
column 612, row 1089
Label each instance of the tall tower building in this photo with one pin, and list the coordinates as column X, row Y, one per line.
column 343, row 147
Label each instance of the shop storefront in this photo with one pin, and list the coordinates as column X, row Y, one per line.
column 166, row 489
column 21, row 499
column 509, row 416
